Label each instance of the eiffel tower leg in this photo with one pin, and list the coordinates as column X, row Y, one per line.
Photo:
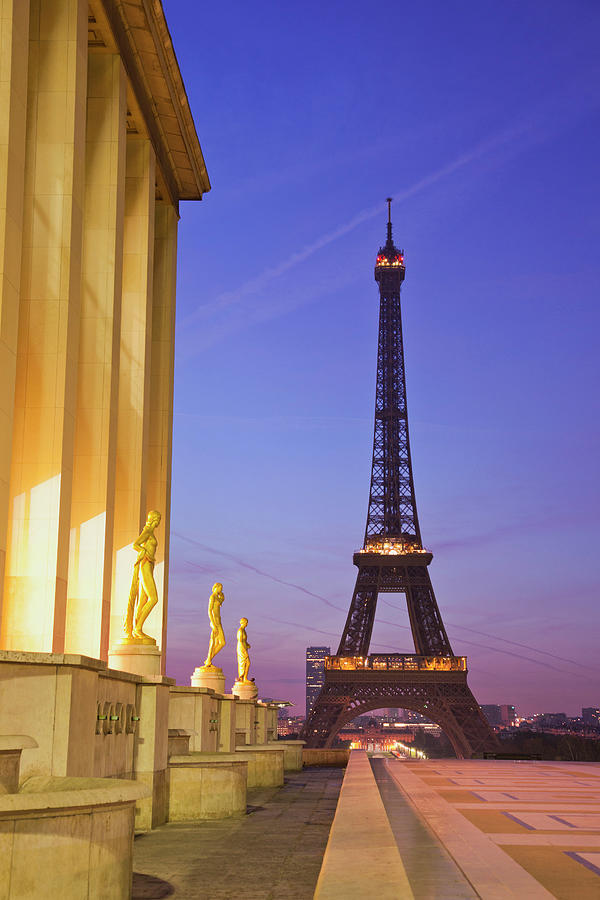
column 329, row 714
column 356, row 636
column 426, row 623
column 446, row 701
column 454, row 708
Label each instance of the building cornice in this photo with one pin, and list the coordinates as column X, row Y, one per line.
column 141, row 37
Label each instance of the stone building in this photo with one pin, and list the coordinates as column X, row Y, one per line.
column 97, row 148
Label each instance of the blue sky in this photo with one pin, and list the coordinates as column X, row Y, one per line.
column 482, row 120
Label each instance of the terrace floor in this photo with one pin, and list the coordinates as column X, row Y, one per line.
column 457, row 830
column 514, row 829
column 274, row 852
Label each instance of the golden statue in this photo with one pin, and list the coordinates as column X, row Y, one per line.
column 217, row 635
column 142, row 598
column 242, row 654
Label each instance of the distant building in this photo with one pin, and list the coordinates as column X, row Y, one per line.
column 315, row 674
column 591, row 716
column 552, row 720
column 492, row 712
column 287, row 725
column 508, row 715
column 499, row 714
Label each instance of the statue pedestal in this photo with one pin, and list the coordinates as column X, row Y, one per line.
column 209, row 677
column 141, row 659
column 244, row 691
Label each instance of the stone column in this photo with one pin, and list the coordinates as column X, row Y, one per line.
column 161, row 407
column 272, row 711
column 151, row 754
column 227, row 724
column 245, row 722
column 92, row 510
column 134, row 375
column 14, row 40
column 261, row 723
column 46, row 372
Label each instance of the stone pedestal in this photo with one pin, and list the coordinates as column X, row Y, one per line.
column 260, row 722
column 209, row 677
column 196, row 710
column 245, row 722
column 207, row 786
column 179, row 742
column 226, row 735
column 152, row 753
column 244, row 691
column 141, row 659
column 265, row 765
column 292, row 754
column 68, row 838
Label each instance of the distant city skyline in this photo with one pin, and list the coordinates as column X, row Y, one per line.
column 491, row 157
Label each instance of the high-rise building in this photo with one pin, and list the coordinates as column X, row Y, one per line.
column 492, row 713
column 499, row 714
column 508, row 714
column 315, row 674
column 591, row 716
column 552, row 720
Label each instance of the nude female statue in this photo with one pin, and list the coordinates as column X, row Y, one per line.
column 217, row 635
column 142, row 598
column 242, row 654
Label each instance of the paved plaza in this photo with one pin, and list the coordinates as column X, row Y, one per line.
column 274, row 852
column 515, row 829
column 499, row 830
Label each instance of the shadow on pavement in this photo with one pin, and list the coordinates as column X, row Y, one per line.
column 147, row 887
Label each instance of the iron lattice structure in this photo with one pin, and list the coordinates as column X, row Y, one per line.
column 393, row 559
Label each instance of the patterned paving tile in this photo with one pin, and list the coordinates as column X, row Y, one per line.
column 544, row 816
column 555, row 822
column 540, row 796
column 590, row 860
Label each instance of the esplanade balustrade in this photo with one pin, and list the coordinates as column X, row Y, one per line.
column 406, row 662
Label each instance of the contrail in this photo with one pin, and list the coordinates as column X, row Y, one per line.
column 304, row 590
column 523, row 646
column 536, row 662
column 245, row 565
column 495, row 637
column 309, row 628
column 533, row 127
column 227, row 298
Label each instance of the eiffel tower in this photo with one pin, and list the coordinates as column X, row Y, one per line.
column 432, row 681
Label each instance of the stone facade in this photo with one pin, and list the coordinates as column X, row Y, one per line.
column 97, row 148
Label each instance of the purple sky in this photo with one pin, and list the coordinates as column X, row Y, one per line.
column 483, row 122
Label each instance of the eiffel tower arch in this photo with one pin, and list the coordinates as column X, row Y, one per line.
column 432, row 681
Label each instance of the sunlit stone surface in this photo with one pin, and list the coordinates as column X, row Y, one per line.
column 97, row 148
